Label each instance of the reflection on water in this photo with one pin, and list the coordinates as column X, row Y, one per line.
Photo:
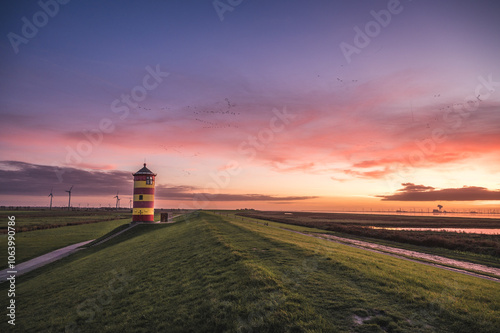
column 466, row 230
column 448, row 214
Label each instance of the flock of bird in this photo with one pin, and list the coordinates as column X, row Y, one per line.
column 178, row 149
column 343, row 81
column 174, row 148
column 210, row 124
column 214, row 123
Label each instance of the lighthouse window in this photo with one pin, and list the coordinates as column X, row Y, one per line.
column 140, row 196
column 149, row 180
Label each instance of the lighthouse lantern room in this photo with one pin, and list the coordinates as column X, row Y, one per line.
column 144, row 196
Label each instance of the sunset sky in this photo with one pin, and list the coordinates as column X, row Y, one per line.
column 283, row 105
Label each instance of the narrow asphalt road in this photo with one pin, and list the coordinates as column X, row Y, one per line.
column 34, row 263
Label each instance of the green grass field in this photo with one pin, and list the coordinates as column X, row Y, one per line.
column 32, row 244
column 45, row 219
column 217, row 274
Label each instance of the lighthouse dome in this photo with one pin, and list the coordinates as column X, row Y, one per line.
column 144, row 171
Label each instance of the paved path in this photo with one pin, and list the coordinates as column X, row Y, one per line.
column 32, row 264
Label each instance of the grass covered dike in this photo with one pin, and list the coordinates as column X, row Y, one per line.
column 208, row 273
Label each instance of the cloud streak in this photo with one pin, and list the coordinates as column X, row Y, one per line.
column 412, row 192
column 186, row 193
column 20, row 178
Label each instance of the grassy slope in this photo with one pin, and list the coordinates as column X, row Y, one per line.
column 207, row 274
column 35, row 243
column 483, row 249
column 477, row 258
column 428, row 299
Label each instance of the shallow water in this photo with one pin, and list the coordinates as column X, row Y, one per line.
column 466, row 230
column 416, row 213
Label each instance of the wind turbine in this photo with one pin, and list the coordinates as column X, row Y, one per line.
column 69, row 202
column 117, row 200
column 51, row 196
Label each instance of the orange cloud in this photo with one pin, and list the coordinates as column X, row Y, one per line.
column 377, row 174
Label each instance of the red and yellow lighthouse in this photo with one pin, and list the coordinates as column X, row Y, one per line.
column 144, row 196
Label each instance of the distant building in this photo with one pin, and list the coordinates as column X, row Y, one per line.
column 144, row 196
column 166, row 217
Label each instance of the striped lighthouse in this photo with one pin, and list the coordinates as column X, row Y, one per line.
column 144, row 196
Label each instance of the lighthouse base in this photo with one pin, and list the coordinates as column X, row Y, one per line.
column 143, row 218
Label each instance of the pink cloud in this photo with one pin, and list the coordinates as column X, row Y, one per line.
column 361, row 128
column 412, row 192
column 370, row 174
